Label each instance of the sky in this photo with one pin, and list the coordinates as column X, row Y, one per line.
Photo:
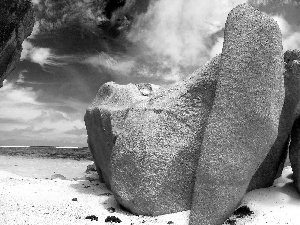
column 78, row 45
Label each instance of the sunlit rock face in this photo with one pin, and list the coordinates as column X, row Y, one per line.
column 146, row 143
column 16, row 24
column 243, row 124
column 104, row 120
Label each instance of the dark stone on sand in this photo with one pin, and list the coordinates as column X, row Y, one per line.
column 106, row 194
column 91, row 168
column 92, row 217
column 112, row 219
column 241, row 212
column 111, row 209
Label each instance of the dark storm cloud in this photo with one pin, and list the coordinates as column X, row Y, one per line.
column 82, row 31
column 76, row 26
column 69, row 32
column 78, row 31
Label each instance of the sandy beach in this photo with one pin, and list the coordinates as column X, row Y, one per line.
column 58, row 191
column 31, row 194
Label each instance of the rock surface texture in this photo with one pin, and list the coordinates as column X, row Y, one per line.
column 16, row 23
column 147, row 146
column 154, row 159
column 104, row 120
column 272, row 165
column 292, row 60
column 244, row 120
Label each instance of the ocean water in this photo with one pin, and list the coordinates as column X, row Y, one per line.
column 47, row 152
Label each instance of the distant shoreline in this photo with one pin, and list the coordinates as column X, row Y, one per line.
column 52, row 152
column 40, row 146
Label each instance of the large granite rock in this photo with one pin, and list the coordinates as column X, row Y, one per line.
column 16, row 23
column 244, row 120
column 147, row 147
column 146, row 143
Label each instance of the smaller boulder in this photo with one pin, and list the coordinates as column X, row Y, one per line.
column 91, row 168
column 58, row 176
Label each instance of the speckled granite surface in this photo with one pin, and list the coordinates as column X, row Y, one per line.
column 244, row 119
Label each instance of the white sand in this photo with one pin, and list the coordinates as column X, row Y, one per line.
column 279, row 204
column 36, row 199
column 29, row 196
column 43, row 168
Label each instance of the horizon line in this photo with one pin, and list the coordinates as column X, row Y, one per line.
column 21, row 146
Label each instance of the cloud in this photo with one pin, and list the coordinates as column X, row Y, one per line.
column 51, row 116
column 19, row 104
column 14, row 94
column 76, row 131
column 21, row 78
column 290, row 33
column 35, row 2
column 179, row 32
column 42, row 56
column 35, row 30
column 217, row 48
column 168, row 42
column 283, row 25
column 292, row 42
column 26, row 120
column 11, row 121
column 85, row 15
column 31, row 130
column 121, row 66
column 174, row 38
column 274, row 3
